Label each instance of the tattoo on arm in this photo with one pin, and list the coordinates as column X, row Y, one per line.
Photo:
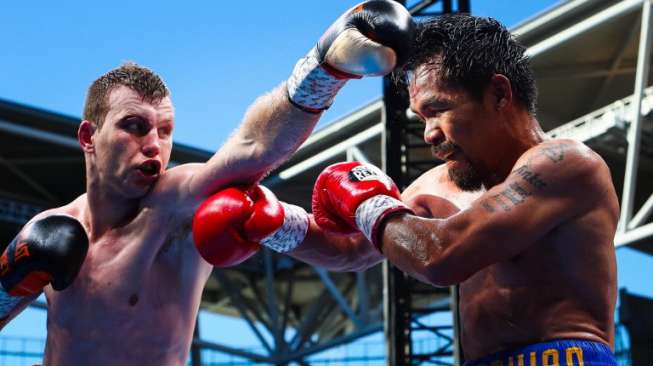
column 487, row 206
column 555, row 153
column 516, row 194
column 510, row 197
column 498, row 200
column 527, row 175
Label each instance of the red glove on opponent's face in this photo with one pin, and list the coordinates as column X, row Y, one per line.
column 230, row 226
column 350, row 197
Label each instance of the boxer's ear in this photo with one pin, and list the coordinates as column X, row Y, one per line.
column 501, row 88
column 85, row 135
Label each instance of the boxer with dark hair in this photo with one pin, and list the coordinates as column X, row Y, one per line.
column 524, row 223
column 137, row 293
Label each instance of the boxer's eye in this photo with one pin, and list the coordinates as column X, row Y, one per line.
column 435, row 111
column 165, row 132
column 135, row 125
column 417, row 116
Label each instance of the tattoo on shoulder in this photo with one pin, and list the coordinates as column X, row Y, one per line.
column 488, row 206
column 556, row 153
column 521, row 187
column 518, row 191
column 530, row 177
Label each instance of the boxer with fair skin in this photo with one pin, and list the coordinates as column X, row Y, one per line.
column 532, row 243
column 135, row 299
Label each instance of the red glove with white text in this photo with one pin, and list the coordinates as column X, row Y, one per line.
column 353, row 196
column 230, row 226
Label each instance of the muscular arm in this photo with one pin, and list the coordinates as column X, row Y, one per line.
column 274, row 127
column 271, row 131
column 549, row 185
column 354, row 252
column 340, row 253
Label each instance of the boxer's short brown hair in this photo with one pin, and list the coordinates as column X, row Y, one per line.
column 138, row 78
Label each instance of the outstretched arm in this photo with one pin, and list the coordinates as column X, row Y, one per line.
column 367, row 40
column 49, row 250
column 232, row 224
column 271, row 131
column 336, row 252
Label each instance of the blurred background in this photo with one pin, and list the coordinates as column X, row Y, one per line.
column 591, row 62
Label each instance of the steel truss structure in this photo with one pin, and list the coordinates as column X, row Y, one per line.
column 339, row 307
column 611, row 129
column 623, row 126
column 405, row 160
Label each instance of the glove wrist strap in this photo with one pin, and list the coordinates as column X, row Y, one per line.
column 293, row 231
column 371, row 213
column 311, row 87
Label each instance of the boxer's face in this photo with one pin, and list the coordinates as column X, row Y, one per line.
column 457, row 125
column 133, row 145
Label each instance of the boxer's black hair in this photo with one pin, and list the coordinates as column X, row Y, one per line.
column 144, row 81
column 468, row 51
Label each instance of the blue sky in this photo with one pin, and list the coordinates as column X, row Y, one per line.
column 216, row 57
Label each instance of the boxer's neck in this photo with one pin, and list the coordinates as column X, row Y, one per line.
column 107, row 210
column 522, row 131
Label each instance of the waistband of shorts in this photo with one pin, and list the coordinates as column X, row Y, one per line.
column 568, row 352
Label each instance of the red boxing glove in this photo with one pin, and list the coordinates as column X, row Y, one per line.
column 350, row 197
column 230, row 226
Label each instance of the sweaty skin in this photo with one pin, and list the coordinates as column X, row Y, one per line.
column 533, row 254
column 514, row 292
column 531, row 268
column 137, row 295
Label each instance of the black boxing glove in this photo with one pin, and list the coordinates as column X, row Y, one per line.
column 369, row 39
column 50, row 251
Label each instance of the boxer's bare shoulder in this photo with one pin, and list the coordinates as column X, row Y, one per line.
column 73, row 208
column 567, row 173
column 561, row 284
column 434, row 194
column 172, row 191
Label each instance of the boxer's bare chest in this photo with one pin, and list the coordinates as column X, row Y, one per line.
column 542, row 293
column 134, row 277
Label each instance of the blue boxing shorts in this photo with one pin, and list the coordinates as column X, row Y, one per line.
column 554, row 353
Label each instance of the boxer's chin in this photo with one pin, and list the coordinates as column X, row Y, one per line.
column 464, row 176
